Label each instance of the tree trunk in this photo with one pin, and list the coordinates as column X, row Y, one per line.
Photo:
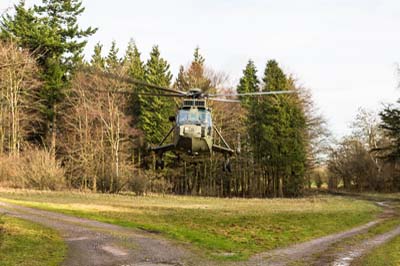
column 53, row 132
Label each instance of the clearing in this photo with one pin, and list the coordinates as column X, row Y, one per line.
column 218, row 229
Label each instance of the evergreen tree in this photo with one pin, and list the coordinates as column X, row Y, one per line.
column 97, row 59
column 194, row 76
column 135, row 68
column 274, row 79
column 181, row 82
column 248, row 83
column 197, row 57
column 391, row 124
column 112, row 60
column 25, row 29
column 52, row 33
column 155, row 111
column 277, row 126
column 133, row 62
column 62, row 17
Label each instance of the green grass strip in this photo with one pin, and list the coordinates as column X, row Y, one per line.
column 385, row 255
column 24, row 243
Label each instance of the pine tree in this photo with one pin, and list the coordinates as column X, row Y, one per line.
column 248, row 83
column 135, row 69
column 155, row 111
column 97, row 59
column 52, row 34
column 25, row 29
column 277, row 126
column 112, row 60
column 274, row 79
column 62, row 16
column 194, row 76
column 181, row 82
column 133, row 62
column 391, row 124
column 197, row 57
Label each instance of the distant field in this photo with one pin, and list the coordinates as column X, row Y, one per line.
column 238, row 227
column 384, row 196
column 24, row 243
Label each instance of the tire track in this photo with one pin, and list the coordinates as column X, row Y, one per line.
column 96, row 243
column 307, row 253
column 285, row 256
column 92, row 243
column 346, row 258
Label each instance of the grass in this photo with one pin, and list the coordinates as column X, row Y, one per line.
column 386, row 255
column 240, row 227
column 24, row 243
column 389, row 253
column 343, row 245
column 374, row 195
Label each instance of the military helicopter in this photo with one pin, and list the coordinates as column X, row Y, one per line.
column 192, row 127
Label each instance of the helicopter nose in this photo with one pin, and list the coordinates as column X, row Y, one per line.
column 191, row 131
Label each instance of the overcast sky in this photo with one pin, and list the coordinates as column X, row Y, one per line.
column 345, row 51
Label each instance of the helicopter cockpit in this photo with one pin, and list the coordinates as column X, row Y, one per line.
column 194, row 117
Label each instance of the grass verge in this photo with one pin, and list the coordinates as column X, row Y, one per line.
column 386, row 255
column 24, row 243
column 226, row 229
column 389, row 253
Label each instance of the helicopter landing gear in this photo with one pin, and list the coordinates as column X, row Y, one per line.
column 160, row 162
column 227, row 166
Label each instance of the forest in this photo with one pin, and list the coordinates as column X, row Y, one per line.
column 65, row 126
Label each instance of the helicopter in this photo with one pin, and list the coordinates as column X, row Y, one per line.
column 192, row 126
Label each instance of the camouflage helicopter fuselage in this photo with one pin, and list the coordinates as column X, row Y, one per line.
column 193, row 132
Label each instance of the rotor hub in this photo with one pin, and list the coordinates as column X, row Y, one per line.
column 195, row 93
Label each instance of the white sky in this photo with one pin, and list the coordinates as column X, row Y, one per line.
column 345, row 51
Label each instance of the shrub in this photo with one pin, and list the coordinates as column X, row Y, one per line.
column 33, row 169
column 139, row 183
column 10, row 173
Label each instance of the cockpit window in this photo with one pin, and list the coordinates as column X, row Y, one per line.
column 202, row 116
column 183, row 116
column 194, row 117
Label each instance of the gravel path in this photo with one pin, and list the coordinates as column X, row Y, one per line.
column 285, row 256
column 314, row 252
column 346, row 254
column 95, row 243
column 345, row 258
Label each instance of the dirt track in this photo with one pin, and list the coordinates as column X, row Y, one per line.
column 319, row 252
column 95, row 243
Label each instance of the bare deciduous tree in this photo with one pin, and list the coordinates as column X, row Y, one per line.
column 18, row 101
column 98, row 134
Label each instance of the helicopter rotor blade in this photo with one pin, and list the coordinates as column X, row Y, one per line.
column 159, row 94
column 224, row 100
column 252, row 93
column 137, row 93
column 132, row 81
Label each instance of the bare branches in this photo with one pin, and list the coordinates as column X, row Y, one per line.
column 96, row 131
column 18, row 97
